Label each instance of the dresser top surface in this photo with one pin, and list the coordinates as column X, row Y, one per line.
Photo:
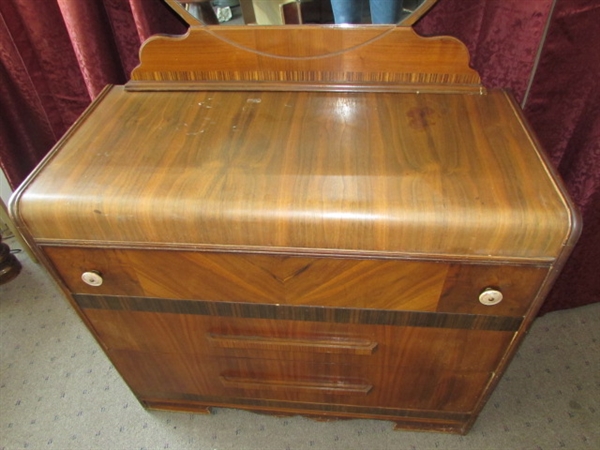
column 433, row 174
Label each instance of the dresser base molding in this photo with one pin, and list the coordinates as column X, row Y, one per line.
column 456, row 423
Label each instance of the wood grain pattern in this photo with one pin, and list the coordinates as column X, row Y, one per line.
column 386, row 284
column 318, row 343
column 282, row 227
column 289, row 280
column 166, row 375
column 443, row 359
column 297, row 384
column 396, row 173
column 518, row 284
column 180, row 333
column 301, row 313
column 305, row 55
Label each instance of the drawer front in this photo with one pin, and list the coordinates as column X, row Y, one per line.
column 423, row 346
column 291, row 280
column 230, row 381
column 169, row 355
column 381, row 284
column 464, row 284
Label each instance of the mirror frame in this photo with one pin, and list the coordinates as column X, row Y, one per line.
column 329, row 58
column 409, row 21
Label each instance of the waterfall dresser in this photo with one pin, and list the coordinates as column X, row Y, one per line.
column 331, row 222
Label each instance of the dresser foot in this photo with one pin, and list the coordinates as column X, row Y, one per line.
column 179, row 407
column 434, row 426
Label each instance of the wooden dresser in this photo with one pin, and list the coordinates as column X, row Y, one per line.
column 333, row 222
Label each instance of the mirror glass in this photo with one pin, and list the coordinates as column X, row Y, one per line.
column 309, row 12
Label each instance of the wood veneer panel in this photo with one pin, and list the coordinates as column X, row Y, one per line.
column 383, row 284
column 317, row 343
column 408, row 387
column 444, row 175
column 169, row 355
column 329, row 169
column 306, row 55
column 464, row 349
column 519, row 286
column 414, row 367
column 301, row 313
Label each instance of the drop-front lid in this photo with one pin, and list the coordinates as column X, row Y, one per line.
column 448, row 175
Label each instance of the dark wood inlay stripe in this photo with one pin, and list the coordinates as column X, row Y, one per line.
column 301, row 313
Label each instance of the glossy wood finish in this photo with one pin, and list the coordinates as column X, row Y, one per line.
column 417, row 367
column 520, row 285
column 319, row 343
column 300, row 221
column 164, row 375
column 277, row 338
column 305, row 57
column 255, row 278
column 300, row 313
column 291, row 280
column 305, row 171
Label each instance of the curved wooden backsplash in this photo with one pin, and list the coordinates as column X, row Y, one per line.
column 305, row 57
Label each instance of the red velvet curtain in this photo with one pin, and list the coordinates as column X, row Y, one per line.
column 555, row 75
column 503, row 36
column 564, row 110
column 58, row 54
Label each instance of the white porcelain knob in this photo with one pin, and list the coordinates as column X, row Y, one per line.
column 490, row 297
column 92, row 278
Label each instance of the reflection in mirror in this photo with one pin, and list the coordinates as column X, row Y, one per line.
column 281, row 12
column 358, row 11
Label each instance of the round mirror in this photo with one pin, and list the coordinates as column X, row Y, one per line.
column 308, row 12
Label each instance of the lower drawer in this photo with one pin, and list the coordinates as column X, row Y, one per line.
column 423, row 347
column 167, row 356
column 227, row 380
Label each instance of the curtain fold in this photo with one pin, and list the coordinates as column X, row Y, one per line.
column 564, row 110
column 505, row 38
column 41, row 91
column 92, row 39
column 56, row 56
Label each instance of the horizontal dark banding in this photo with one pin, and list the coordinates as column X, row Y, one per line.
column 301, row 313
